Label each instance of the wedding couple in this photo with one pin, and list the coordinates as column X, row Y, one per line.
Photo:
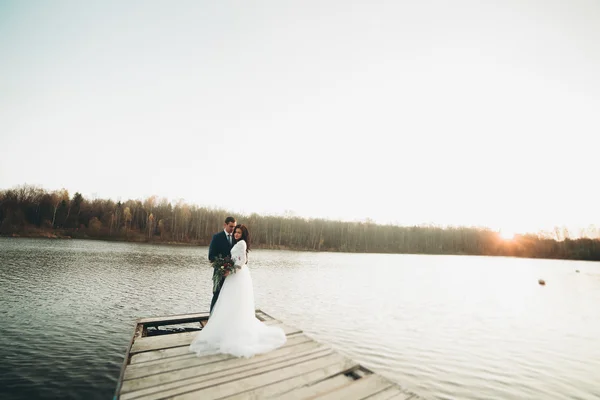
column 232, row 327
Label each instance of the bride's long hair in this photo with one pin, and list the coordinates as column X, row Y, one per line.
column 245, row 235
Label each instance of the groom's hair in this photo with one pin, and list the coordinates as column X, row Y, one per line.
column 229, row 219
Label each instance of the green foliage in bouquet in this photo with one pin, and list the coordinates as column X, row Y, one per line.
column 221, row 265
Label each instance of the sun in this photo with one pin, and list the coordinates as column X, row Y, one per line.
column 507, row 235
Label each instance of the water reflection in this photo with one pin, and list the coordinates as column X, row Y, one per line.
column 444, row 327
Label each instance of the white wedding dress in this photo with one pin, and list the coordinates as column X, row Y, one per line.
column 233, row 327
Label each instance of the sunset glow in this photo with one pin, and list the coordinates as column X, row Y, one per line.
column 507, row 235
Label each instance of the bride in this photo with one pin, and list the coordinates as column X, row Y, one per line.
column 233, row 327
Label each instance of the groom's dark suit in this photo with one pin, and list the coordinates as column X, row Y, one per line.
column 219, row 245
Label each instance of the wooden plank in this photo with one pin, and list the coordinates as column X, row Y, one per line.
column 406, row 396
column 139, row 330
column 157, row 356
column 182, row 352
column 180, row 339
column 359, row 389
column 232, row 366
column 263, row 316
column 280, row 388
column 173, row 319
column 191, row 359
column 258, row 380
column 318, row 389
column 162, row 342
column 393, row 392
column 219, row 379
column 192, row 317
column 213, row 365
column 162, row 367
column 217, row 362
column 272, row 321
column 124, row 366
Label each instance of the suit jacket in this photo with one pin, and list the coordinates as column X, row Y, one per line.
column 220, row 245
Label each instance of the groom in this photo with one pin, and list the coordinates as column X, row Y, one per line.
column 221, row 244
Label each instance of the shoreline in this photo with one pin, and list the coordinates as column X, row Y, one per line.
column 57, row 235
column 68, row 235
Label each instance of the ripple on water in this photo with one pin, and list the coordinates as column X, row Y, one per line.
column 443, row 327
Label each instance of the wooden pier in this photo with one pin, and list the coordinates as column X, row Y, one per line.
column 161, row 367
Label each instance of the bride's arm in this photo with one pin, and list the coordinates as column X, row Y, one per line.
column 240, row 254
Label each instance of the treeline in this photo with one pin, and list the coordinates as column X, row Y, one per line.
column 33, row 211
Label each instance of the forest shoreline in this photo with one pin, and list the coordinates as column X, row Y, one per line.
column 29, row 211
column 58, row 234
column 61, row 234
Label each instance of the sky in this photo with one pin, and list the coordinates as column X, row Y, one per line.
column 470, row 113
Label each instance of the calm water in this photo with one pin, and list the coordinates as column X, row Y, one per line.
column 446, row 327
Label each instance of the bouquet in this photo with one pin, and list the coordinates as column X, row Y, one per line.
column 221, row 265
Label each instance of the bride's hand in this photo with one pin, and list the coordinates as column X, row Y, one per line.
column 226, row 273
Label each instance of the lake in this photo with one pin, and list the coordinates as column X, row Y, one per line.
column 445, row 327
